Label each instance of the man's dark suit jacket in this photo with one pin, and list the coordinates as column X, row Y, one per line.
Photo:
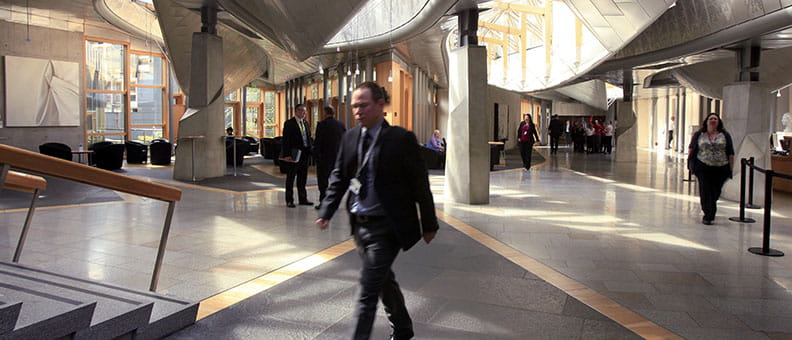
column 328, row 138
column 556, row 127
column 400, row 182
column 292, row 139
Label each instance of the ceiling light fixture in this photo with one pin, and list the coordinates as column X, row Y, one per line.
column 321, row 67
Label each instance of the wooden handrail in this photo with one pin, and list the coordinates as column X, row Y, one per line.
column 24, row 182
column 20, row 159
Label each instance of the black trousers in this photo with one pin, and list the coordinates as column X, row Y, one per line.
column 377, row 246
column 607, row 143
column 322, row 176
column 526, row 148
column 300, row 171
column 711, row 179
column 554, row 143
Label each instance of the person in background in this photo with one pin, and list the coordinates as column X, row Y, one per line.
column 556, row 129
column 436, row 142
column 527, row 137
column 325, row 147
column 589, row 128
column 296, row 143
column 230, row 131
column 381, row 168
column 607, row 138
column 711, row 158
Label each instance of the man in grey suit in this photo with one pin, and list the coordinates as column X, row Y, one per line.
column 381, row 167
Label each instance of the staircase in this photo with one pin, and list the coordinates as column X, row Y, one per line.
column 35, row 304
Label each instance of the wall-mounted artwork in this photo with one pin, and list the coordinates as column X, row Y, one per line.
column 41, row 92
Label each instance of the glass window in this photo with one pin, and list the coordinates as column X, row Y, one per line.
column 145, row 134
column 146, row 105
column 253, row 95
column 105, row 112
column 251, row 120
column 104, row 67
column 269, row 108
column 229, row 116
column 145, row 70
column 232, row 97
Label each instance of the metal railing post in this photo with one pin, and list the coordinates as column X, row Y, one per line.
column 162, row 245
column 750, row 204
column 765, row 249
column 25, row 227
column 741, row 218
column 4, row 167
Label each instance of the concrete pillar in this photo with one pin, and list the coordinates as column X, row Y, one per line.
column 204, row 117
column 747, row 107
column 626, row 133
column 467, row 156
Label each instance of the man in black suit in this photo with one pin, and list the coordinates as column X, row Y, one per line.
column 328, row 138
column 381, row 167
column 296, row 150
column 556, row 129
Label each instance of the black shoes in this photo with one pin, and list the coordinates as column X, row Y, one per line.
column 306, row 203
column 318, row 206
column 290, row 204
column 706, row 221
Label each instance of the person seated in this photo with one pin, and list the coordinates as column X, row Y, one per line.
column 435, row 142
column 229, row 131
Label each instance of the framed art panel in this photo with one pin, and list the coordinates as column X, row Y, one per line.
column 41, row 92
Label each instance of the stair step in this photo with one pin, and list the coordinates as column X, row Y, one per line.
column 54, row 325
column 118, row 311
column 9, row 312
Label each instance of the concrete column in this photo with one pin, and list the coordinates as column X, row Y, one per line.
column 204, row 117
column 626, row 133
column 747, row 107
column 467, row 156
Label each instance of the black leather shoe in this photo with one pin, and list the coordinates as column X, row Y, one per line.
column 290, row 204
column 706, row 221
column 306, row 203
column 318, row 206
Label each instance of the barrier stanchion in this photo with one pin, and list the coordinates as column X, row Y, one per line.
column 765, row 249
column 750, row 204
column 690, row 177
column 742, row 218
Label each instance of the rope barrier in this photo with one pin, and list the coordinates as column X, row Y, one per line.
column 769, row 174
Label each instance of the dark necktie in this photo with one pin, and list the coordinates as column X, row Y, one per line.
column 363, row 178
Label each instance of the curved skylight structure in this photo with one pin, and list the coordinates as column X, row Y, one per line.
column 537, row 44
column 377, row 18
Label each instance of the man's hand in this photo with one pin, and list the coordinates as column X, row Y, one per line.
column 426, row 236
column 323, row 224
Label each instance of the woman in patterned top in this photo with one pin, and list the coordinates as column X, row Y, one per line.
column 711, row 155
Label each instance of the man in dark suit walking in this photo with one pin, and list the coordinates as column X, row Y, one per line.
column 381, row 167
column 328, row 138
column 296, row 150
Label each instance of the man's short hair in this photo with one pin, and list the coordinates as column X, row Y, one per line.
column 329, row 111
column 298, row 106
column 377, row 92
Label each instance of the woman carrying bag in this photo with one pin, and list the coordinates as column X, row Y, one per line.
column 710, row 158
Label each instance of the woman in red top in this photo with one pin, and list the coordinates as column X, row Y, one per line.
column 527, row 137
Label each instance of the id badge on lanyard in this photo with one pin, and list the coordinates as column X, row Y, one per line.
column 354, row 183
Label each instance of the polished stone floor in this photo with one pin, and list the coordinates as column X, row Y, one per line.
column 628, row 231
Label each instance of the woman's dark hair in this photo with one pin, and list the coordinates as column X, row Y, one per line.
column 720, row 123
column 329, row 111
column 377, row 92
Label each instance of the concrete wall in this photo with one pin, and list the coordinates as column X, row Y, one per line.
column 505, row 99
column 575, row 109
column 45, row 44
column 61, row 45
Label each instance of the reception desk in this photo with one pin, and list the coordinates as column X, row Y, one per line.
column 782, row 164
